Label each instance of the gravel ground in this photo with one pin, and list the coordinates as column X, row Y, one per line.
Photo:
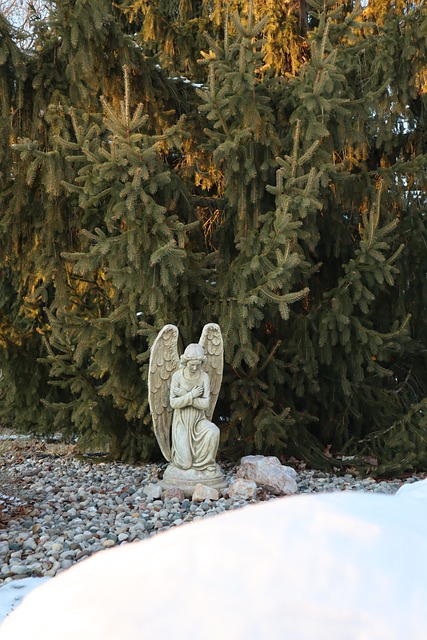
column 57, row 509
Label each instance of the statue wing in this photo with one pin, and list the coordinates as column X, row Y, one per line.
column 211, row 341
column 164, row 361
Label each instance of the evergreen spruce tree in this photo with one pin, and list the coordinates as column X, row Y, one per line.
column 20, row 344
column 174, row 30
column 130, row 276
column 398, row 129
column 288, row 205
column 358, row 247
column 348, row 347
column 78, row 52
column 256, row 259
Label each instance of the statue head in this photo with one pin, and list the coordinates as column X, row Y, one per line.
column 193, row 352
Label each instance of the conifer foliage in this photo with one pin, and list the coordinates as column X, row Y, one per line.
column 134, row 263
column 189, row 162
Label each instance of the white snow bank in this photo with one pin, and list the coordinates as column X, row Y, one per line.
column 413, row 490
column 338, row 566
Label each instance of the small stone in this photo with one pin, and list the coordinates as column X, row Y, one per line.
column 20, row 569
column 30, row 544
column 241, row 488
column 203, row 492
column 79, row 537
column 4, row 548
column 112, row 536
column 108, row 543
column 21, row 537
column 174, row 492
column 54, row 569
column 153, row 491
column 123, row 536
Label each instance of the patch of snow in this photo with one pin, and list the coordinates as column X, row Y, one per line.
column 12, row 593
column 413, row 491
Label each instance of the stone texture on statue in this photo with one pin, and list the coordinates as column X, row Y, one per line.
column 187, row 479
column 182, row 393
column 241, row 488
column 202, row 492
column 268, row 473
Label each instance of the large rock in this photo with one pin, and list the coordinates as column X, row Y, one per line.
column 340, row 566
column 268, row 473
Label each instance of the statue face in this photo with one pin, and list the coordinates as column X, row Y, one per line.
column 194, row 365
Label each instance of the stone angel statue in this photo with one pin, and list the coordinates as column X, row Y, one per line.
column 182, row 393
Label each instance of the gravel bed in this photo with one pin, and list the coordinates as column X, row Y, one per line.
column 69, row 509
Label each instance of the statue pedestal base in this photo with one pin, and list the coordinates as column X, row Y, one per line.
column 186, row 479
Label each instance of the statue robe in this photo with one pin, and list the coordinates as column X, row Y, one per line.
column 195, row 439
